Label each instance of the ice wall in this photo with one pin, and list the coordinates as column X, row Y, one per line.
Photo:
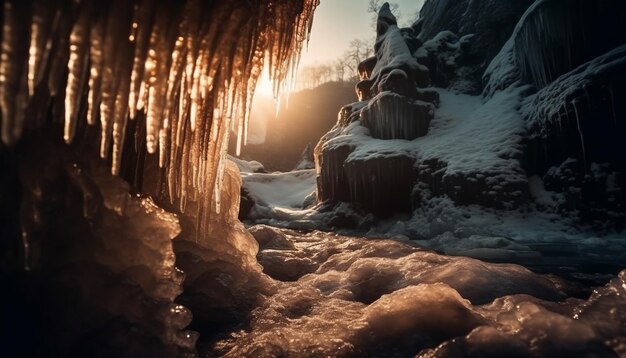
column 555, row 36
column 98, row 275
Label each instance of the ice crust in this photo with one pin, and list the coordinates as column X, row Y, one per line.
column 357, row 297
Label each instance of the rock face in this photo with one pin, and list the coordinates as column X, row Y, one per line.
column 391, row 108
column 574, row 119
column 508, row 102
column 488, row 23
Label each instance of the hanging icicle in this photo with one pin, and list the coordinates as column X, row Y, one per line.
column 190, row 76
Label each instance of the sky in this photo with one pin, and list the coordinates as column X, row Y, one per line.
column 337, row 22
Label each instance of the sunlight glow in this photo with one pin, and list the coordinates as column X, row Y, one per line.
column 265, row 86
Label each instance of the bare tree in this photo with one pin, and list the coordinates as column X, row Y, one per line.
column 358, row 51
column 341, row 68
column 374, row 6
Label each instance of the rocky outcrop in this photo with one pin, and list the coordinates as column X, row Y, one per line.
column 392, row 107
column 486, row 23
column 578, row 64
column 549, row 99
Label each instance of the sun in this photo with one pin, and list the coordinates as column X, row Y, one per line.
column 265, row 86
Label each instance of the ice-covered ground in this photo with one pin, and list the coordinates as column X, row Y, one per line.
column 351, row 297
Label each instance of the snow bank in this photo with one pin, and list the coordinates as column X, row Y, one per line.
column 280, row 190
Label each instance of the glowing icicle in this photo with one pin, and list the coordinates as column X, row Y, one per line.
column 12, row 57
column 95, row 72
column 120, row 114
column 38, row 49
column 76, row 66
column 141, row 38
column 187, row 80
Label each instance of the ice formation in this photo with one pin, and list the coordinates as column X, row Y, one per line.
column 100, row 275
column 154, row 88
column 187, row 69
column 554, row 37
column 346, row 296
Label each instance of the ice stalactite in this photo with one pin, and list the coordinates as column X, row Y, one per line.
column 190, row 66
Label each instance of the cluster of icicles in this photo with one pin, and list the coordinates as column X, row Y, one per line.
column 188, row 68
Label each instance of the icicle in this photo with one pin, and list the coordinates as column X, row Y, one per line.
column 77, row 64
column 141, row 38
column 13, row 55
column 580, row 132
column 120, row 115
column 95, row 72
column 38, row 50
column 188, row 77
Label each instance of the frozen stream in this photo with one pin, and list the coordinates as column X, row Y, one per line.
column 347, row 296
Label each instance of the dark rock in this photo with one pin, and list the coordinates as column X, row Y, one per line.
column 490, row 21
column 391, row 116
column 489, row 189
column 427, row 95
column 396, row 81
column 366, row 67
column 447, row 57
column 349, row 113
column 332, row 183
column 411, row 39
column 381, row 185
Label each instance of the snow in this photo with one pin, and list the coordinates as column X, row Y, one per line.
column 247, row 166
column 466, row 134
column 502, row 72
column 521, row 235
column 280, row 190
